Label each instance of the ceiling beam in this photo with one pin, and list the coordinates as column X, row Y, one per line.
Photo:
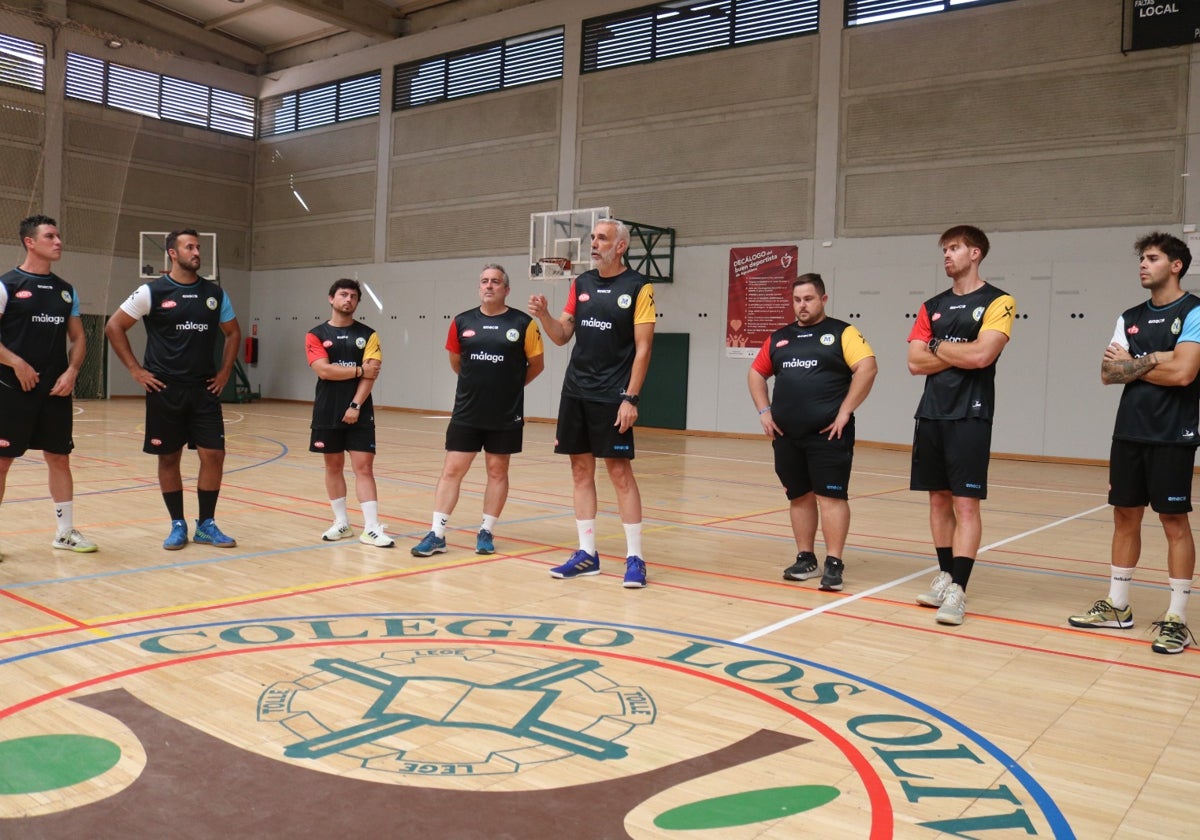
column 366, row 17
column 178, row 26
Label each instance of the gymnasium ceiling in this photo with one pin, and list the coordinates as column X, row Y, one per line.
column 264, row 35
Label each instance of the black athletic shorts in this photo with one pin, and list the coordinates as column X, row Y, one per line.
column 462, row 438
column 183, row 414
column 35, row 420
column 813, row 464
column 952, row 455
column 1141, row 474
column 585, row 426
column 354, row 437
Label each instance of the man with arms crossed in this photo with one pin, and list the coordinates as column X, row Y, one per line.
column 496, row 351
column 954, row 344
column 39, row 316
column 346, row 356
column 1155, row 354
column 183, row 313
column 823, row 371
column 610, row 312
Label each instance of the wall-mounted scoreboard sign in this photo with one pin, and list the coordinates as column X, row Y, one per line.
column 1160, row 23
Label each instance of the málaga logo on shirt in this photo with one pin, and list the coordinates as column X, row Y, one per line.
column 66, row 295
column 978, row 313
column 1176, row 326
column 624, row 301
column 360, row 342
column 211, row 303
column 512, row 335
column 827, row 339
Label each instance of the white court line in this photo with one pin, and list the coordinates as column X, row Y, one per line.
column 840, row 602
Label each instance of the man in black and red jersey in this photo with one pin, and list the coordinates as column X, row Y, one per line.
column 39, row 317
column 610, row 313
column 183, row 312
column 1155, row 354
column 954, row 344
column 346, row 356
column 823, row 371
column 496, row 351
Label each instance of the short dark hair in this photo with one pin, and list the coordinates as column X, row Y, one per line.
column 30, row 225
column 345, row 283
column 971, row 235
column 814, row 279
column 175, row 234
column 1174, row 247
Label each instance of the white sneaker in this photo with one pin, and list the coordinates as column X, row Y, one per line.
column 377, row 538
column 339, row 531
column 954, row 607
column 74, row 541
column 937, row 591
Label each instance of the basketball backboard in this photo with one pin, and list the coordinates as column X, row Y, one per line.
column 153, row 260
column 560, row 243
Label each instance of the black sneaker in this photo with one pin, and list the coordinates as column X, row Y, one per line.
column 804, row 568
column 831, row 581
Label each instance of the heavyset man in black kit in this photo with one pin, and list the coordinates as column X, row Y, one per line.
column 823, row 370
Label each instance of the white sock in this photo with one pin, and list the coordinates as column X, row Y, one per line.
column 440, row 521
column 370, row 515
column 633, row 540
column 340, row 517
column 489, row 523
column 64, row 516
column 1119, row 585
column 1181, row 588
column 587, row 535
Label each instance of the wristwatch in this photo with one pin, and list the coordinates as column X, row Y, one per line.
column 632, row 399
column 933, row 345
column 355, row 406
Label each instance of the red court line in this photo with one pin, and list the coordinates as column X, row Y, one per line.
column 44, row 609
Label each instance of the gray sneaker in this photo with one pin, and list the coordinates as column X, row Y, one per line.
column 937, row 591
column 954, row 606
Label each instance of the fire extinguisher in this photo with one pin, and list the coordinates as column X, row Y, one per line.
column 252, row 346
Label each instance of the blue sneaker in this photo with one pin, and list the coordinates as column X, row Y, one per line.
column 579, row 564
column 635, row 572
column 178, row 536
column 430, row 545
column 484, row 543
column 207, row 533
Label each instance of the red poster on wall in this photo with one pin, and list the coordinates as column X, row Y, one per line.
column 760, row 286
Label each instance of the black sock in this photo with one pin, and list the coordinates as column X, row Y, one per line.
column 945, row 557
column 174, row 502
column 962, row 571
column 208, row 503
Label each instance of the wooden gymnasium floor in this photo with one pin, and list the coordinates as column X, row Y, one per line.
column 294, row 688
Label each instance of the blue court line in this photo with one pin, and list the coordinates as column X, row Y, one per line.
column 1050, row 810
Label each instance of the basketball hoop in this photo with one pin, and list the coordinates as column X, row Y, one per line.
column 551, row 268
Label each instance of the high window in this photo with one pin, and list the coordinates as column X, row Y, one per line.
column 159, row 97
column 876, row 11
column 22, row 63
column 670, row 29
column 335, row 102
column 521, row 60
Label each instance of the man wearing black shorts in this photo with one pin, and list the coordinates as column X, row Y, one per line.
column 610, row 312
column 1155, row 354
column 39, row 316
column 954, row 344
column 823, row 371
column 496, row 351
column 346, row 356
column 183, row 313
